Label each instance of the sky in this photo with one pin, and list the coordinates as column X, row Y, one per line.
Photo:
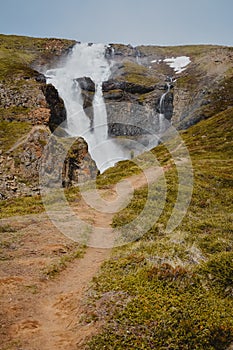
column 135, row 22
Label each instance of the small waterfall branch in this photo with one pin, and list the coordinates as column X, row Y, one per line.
column 162, row 119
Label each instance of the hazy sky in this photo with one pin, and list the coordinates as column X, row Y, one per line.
column 158, row 22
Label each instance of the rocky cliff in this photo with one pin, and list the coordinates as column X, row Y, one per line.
column 29, row 111
column 201, row 89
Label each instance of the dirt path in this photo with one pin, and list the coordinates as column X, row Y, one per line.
column 40, row 313
column 54, row 323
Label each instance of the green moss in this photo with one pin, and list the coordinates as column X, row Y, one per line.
column 21, row 206
column 218, row 272
column 54, row 269
column 10, row 132
column 17, row 53
column 178, row 286
column 137, row 74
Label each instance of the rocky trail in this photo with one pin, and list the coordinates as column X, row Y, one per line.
column 40, row 312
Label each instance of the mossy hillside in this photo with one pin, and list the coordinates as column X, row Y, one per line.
column 137, row 74
column 34, row 204
column 176, row 289
column 11, row 131
column 182, row 50
column 18, row 53
column 211, row 139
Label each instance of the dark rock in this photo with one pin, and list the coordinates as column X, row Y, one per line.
column 109, row 52
column 56, row 106
column 168, row 106
column 130, row 119
column 40, row 78
column 114, row 95
column 88, row 92
column 78, row 165
column 86, row 84
column 118, row 129
column 132, row 88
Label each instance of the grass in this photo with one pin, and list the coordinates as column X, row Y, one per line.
column 17, row 53
column 33, row 204
column 177, row 287
column 54, row 269
column 21, row 206
column 137, row 74
column 11, row 131
column 189, row 50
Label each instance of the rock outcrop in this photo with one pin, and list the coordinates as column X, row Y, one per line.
column 126, row 86
column 21, row 166
column 87, row 87
column 79, row 167
column 139, row 93
column 56, row 106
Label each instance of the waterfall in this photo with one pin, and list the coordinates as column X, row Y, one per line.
column 162, row 119
column 87, row 60
column 92, row 61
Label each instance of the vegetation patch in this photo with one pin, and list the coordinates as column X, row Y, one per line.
column 137, row 74
column 55, row 268
column 178, row 285
column 12, row 131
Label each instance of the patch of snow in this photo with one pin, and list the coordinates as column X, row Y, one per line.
column 179, row 64
column 156, row 61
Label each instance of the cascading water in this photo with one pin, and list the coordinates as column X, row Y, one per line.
column 162, row 119
column 89, row 60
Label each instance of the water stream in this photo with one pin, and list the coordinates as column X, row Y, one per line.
column 88, row 60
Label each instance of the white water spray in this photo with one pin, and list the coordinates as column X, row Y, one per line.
column 88, row 60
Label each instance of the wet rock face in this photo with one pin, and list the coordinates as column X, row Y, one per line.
column 56, row 106
column 87, row 87
column 86, row 84
column 133, row 109
column 168, row 106
column 131, row 119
